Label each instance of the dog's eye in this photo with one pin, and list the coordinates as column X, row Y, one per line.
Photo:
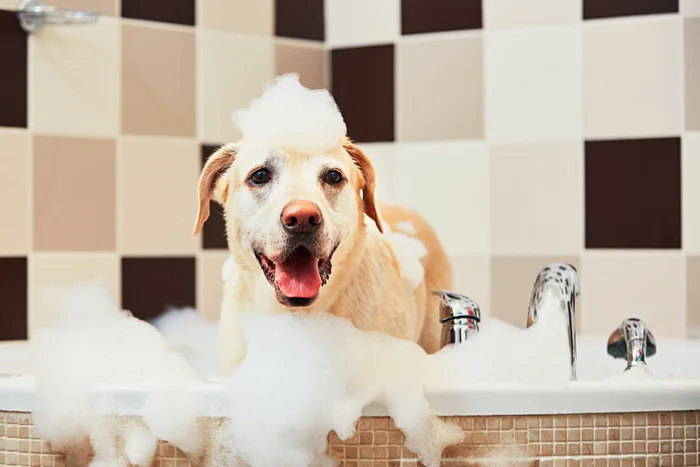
column 333, row 177
column 260, row 177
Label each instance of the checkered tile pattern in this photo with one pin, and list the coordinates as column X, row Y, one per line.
column 526, row 132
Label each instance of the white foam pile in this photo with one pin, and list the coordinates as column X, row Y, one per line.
column 288, row 115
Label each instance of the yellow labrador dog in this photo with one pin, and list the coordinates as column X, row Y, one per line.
column 305, row 234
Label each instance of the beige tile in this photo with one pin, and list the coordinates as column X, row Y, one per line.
column 444, row 100
column 645, row 284
column 14, row 192
column 362, row 22
column 692, row 73
column 447, row 182
column 308, row 61
column 384, row 159
column 158, row 81
column 232, row 70
column 74, row 194
column 255, row 17
column 470, row 276
column 632, row 77
column 516, row 13
column 209, row 283
column 690, row 8
column 75, row 80
column 59, row 270
column 512, row 278
column 533, row 84
column 158, row 196
column 693, row 285
column 105, row 7
column 537, row 199
column 691, row 192
column 8, row 5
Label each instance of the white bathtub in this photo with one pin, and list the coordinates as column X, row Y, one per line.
column 676, row 359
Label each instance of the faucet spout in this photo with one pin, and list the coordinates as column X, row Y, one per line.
column 459, row 315
column 557, row 284
column 632, row 341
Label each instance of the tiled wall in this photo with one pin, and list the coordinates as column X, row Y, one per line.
column 601, row 440
column 527, row 132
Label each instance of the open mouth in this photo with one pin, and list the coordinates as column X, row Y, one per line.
column 298, row 277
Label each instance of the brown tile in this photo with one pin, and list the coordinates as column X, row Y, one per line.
column 214, row 231
column 13, row 298
column 171, row 11
column 366, row 100
column 74, row 194
column 423, row 16
column 511, row 286
column 14, row 192
column 150, row 285
column 621, row 209
column 593, row 9
column 301, row 19
column 152, row 105
column 308, row 62
column 13, row 56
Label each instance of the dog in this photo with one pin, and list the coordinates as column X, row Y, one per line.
column 306, row 234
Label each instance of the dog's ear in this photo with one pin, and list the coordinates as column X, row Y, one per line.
column 365, row 166
column 211, row 185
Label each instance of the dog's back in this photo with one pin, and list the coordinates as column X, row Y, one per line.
column 436, row 264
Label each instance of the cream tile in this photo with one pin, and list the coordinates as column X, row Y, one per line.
column 632, row 77
column 692, row 73
column 533, row 84
column 470, row 276
column 690, row 200
column 232, row 71
column 158, row 196
column 105, row 7
column 537, row 199
column 362, row 22
column 384, row 159
column 512, row 278
column 8, row 5
column 447, row 182
column 74, row 84
column 690, row 8
column 308, row 61
column 255, row 17
column 444, row 100
column 693, row 283
column 48, row 271
column 209, row 283
column 516, row 13
column 158, row 81
column 74, row 194
column 647, row 285
column 14, row 192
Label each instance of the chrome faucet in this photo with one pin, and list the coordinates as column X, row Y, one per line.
column 459, row 315
column 557, row 283
column 633, row 341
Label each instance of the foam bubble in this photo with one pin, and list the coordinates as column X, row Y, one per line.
column 290, row 116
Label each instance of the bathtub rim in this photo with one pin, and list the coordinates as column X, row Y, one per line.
column 18, row 395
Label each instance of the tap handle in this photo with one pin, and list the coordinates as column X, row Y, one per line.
column 632, row 340
column 454, row 305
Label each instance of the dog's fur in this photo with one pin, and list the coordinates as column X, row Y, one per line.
column 365, row 285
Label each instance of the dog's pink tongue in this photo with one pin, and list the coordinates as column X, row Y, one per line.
column 298, row 276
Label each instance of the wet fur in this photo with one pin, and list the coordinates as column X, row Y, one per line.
column 365, row 285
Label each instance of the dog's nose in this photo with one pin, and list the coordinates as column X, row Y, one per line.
column 301, row 217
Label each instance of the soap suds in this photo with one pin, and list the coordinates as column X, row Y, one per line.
column 408, row 252
column 290, row 116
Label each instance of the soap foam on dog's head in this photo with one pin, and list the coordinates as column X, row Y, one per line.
column 293, row 117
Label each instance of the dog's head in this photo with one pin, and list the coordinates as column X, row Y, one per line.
column 287, row 212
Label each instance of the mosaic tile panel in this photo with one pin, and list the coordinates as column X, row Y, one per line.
column 601, row 440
